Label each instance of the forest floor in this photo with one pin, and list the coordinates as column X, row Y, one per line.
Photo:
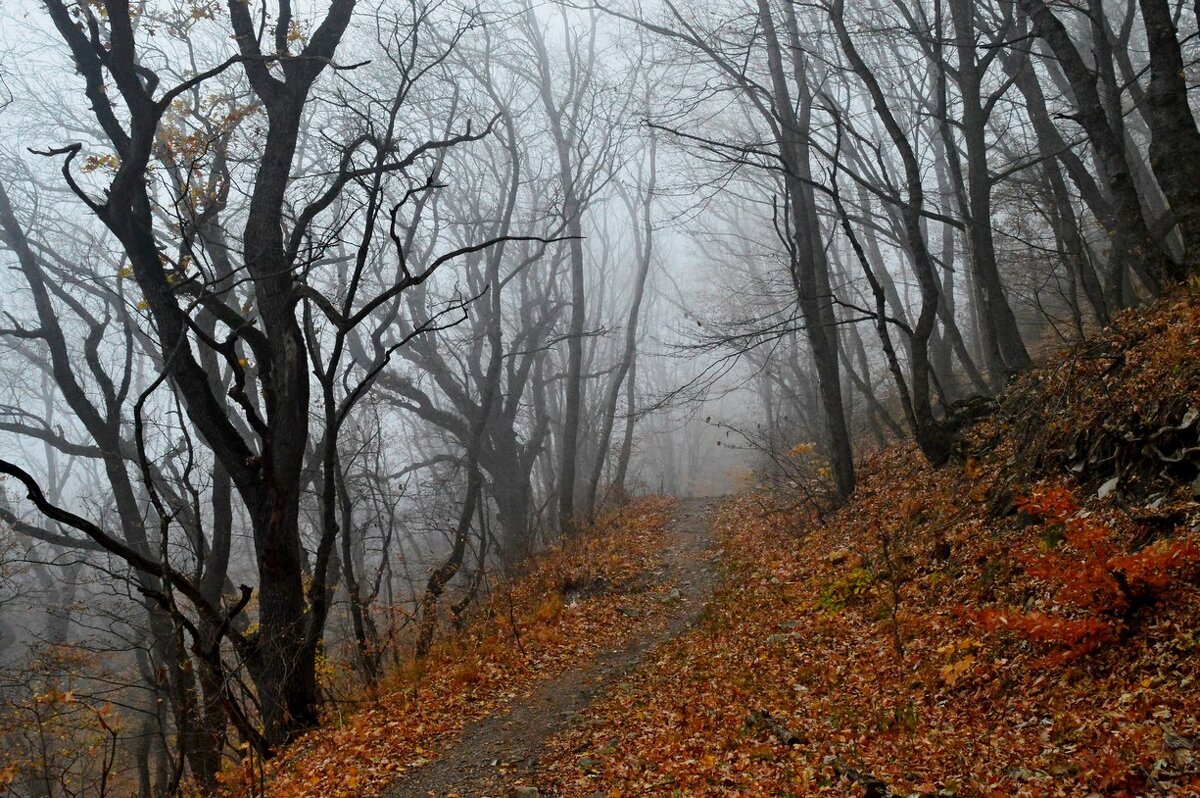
column 1023, row 621
column 501, row 752
column 472, row 717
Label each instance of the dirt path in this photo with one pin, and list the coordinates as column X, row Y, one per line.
column 499, row 753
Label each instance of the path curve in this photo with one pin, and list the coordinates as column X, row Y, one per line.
column 496, row 754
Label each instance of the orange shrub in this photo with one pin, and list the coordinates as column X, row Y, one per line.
column 1096, row 586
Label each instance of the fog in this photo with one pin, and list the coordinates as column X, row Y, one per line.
column 316, row 318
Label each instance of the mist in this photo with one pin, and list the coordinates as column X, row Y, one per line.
column 316, row 317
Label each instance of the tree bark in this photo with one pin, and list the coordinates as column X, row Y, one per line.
column 1174, row 138
column 809, row 271
column 1131, row 233
column 1003, row 345
column 932, row 435
column 645, row 254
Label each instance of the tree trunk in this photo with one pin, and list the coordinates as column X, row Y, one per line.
column 645, row 247
column 1058, row 156
column 1131, row 233
column 1174, row 139
column 620, row 481
column 932, row 435
column 809, row 271
column 1002, row 342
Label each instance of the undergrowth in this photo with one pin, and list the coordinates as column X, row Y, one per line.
column 1030, row 629
column 524, row 633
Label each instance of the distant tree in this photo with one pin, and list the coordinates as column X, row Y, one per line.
column 1105, row 132
column 236, row 308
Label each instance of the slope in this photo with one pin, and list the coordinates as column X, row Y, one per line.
column 478, row 708
column 1025, row 621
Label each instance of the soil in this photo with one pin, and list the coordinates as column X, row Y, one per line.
column 499, row 754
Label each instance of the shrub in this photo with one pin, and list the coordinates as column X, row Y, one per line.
column 1096, row 586
column 846, row 591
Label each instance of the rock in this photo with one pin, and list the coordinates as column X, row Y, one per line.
column 526, row 792
column 672, row 597
column 630, row 612
column 844, row 557
column 789, row 625
column 1026, row 774
column 1108, row 487
column 782, row 638
column 1174, row 741
column 587, row 764
column 763, row 719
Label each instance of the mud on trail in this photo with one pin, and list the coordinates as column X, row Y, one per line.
column 499, row 753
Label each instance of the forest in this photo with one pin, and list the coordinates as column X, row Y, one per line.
column 599, row 398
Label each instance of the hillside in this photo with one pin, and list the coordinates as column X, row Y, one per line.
column 1023, row 621
column 624, row 398
column 905, row 645
column 604, row 590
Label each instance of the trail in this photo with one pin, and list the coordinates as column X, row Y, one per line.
column 499, row 753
